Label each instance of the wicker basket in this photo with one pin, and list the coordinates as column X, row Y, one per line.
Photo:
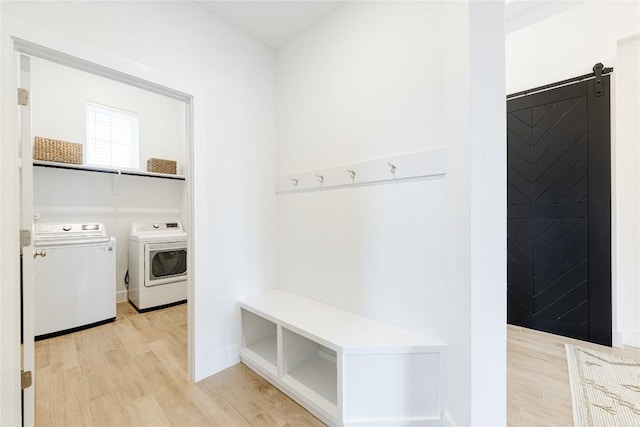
column 161, row 166
column 53, row 150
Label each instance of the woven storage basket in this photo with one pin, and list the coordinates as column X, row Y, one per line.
column 161, row 166
column 53, row 150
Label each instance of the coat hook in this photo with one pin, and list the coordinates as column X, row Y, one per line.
column 294, row 181
column 320, row 178
column 392, row 168
column 352, row 173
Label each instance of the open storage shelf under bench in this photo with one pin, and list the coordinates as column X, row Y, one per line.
column 344, row 368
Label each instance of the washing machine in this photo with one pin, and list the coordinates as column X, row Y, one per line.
column 157, row 265
column 74, row 277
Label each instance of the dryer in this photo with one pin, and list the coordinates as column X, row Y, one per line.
column 157, row 265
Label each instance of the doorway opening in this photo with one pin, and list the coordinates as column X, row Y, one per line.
column 63, row 92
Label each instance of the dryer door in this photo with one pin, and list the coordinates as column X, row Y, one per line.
column 165, row 263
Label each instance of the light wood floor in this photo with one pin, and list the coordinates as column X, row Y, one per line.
column 133, row 372
column 538, row 378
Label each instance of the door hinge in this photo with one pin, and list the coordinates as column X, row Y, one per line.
column 597, row 71
column 25, row 379
column 25, row 239
column 23, row 96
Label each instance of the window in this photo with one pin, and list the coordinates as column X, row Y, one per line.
column 112, row 137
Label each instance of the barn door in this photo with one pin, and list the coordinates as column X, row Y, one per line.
column 558, row 213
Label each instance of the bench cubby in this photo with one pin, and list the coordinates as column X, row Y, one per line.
column 260, row 340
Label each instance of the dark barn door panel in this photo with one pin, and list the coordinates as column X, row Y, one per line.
column 558, row 213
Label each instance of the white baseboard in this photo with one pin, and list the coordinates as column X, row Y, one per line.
column 121, row 296
column 447, row 421
column 617, row 339
column 215, row 362
column 631, row 337
column 386, row 422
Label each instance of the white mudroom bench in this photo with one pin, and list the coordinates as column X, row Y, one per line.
column 346, row 369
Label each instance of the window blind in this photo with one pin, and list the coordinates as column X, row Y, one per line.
column 112, row 137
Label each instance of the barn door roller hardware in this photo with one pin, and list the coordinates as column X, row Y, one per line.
column 597, row 75
column 597, row 72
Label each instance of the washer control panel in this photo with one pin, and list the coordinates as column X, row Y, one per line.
column 57, row 231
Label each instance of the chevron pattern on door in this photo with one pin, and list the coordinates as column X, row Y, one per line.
column 548, row 214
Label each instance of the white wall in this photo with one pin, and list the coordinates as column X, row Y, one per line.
column 337, row 87
column 548, row 51
column 627, row 124
column 179, row 45
column 377, row 79
column 59, row 95
column 569, row 43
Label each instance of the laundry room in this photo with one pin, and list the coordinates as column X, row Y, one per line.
column 110, row 221
column 106, row 187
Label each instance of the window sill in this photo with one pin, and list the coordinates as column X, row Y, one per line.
column 41, row 163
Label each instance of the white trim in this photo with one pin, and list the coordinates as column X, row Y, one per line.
column 26, row 222
column 572, row 386
column 629, row 39
column 614, row 208
column 223, row 359
column 617, row 339
column 625, row 199
column 39, row 51
column 10, row 399
column 121, row 296
column 405, row 422
column 191, row 221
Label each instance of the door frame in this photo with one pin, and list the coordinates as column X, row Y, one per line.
column 10, row 360
column 27, row 298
